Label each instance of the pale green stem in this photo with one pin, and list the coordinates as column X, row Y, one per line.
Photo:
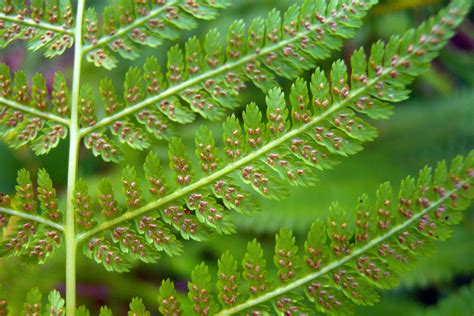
column 42, row 25
column 32, row 217
column 310, row 277
column 127, row 29
column 33, row 111
column 74, row 142
column 226, row 67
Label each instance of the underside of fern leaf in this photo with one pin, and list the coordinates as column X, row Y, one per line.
column 206, row 78
column 32, row 219
column 142, row 23
column 342, row 262
column 28, row 115
column 44, row 24
column 310, row 133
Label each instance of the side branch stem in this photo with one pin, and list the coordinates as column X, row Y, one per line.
column 33, row 23
column 33, row 111
column 32, row 217
column 74, row 142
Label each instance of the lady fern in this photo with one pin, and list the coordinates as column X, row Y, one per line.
column 305, row 131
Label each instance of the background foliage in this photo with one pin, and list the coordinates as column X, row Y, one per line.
column 435, row 124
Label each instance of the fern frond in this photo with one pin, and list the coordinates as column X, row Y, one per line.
column 26, row 115
column 296, row 140
column 342, row 262
column 206, row 79
column 32, row 231
column 44, row 24
column 138, row 22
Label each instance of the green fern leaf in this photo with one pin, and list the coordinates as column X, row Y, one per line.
column 345, row 262
column 207, row 80
column 34, row 231
column 137, row 22
column 169, row 305
column 28, row 118
column 82, row 206
column 137, row 308
column 228, row 282
column 44, row 24
column 204, row 302
column 56, row 304
column 105, row 311
column 254, row 267
column 268, row 155
column 33, row 302
column 102, row 251
column 307, row 130
column 47, row 197
column 82, row 311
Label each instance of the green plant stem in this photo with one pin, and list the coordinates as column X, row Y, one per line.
column 74, row 142
column 33, row 111
column 310, row 277
column 33, row 23
column 32, row 217
column 123, row 31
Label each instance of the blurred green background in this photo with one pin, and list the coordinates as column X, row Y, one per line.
column 437, row 123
